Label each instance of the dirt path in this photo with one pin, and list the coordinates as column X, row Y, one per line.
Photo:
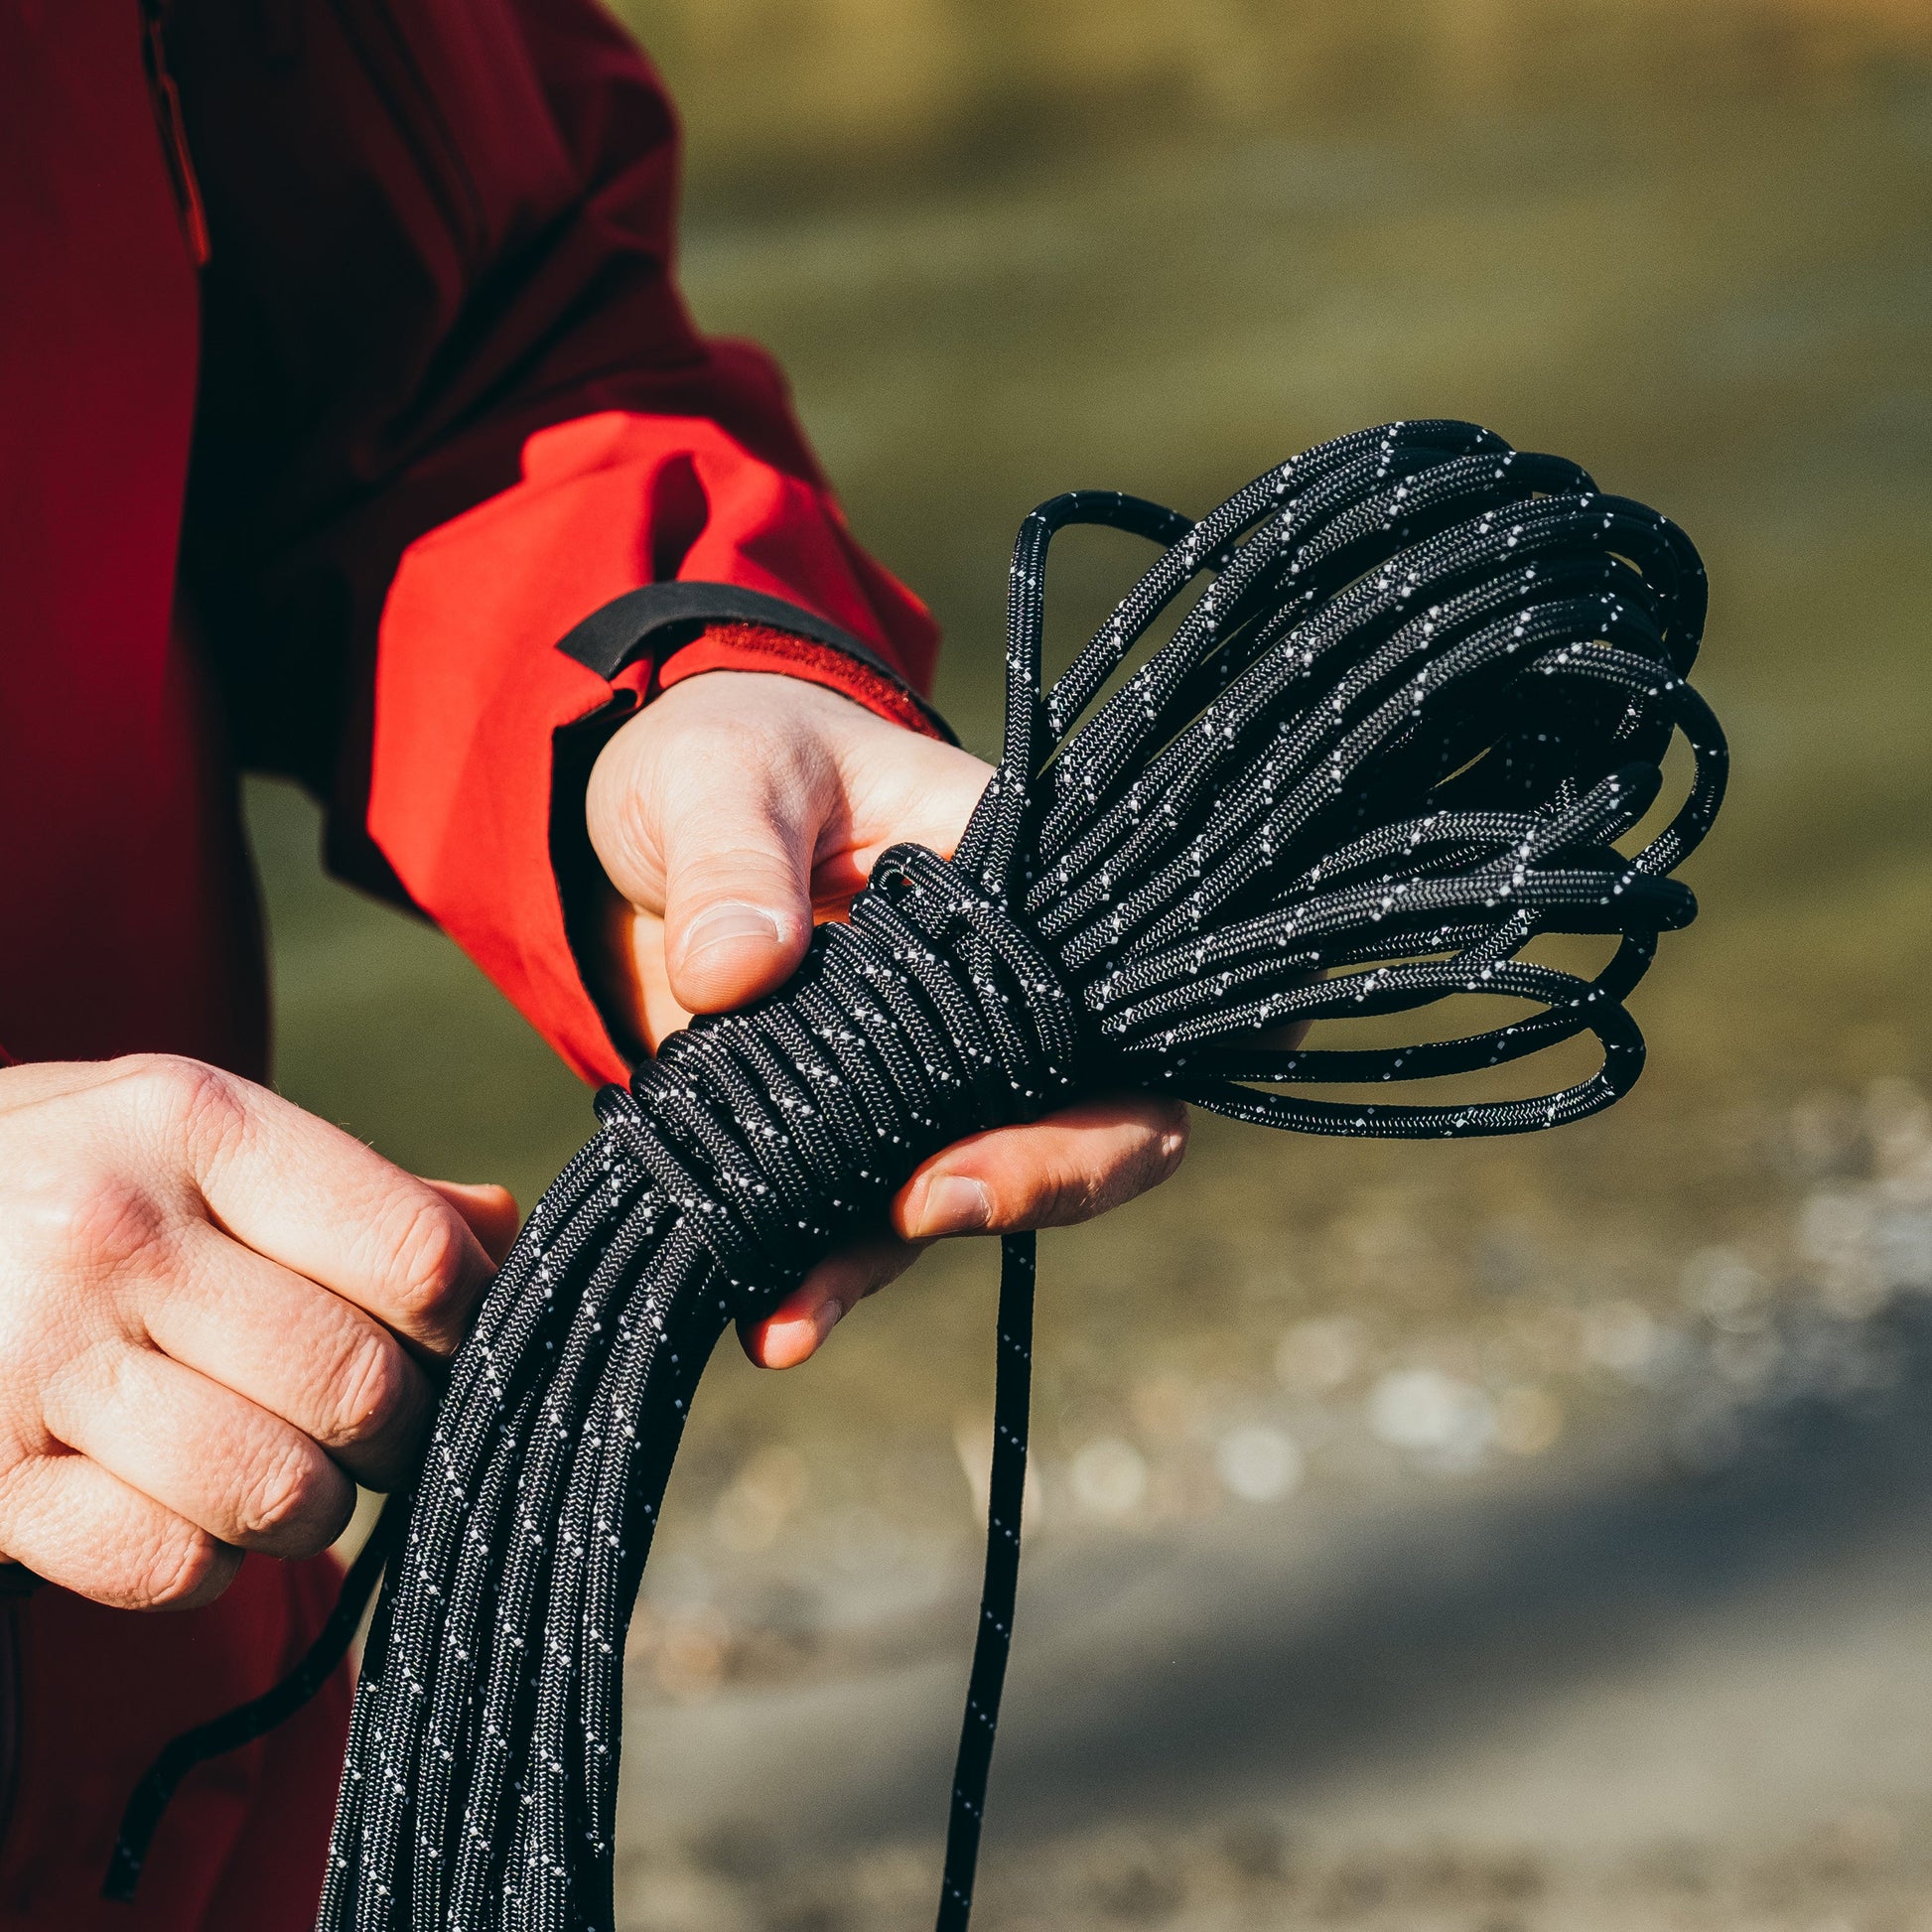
column 1611, row 1695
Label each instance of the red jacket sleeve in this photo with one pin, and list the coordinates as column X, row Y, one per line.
column 469, row 791
column 437, row 436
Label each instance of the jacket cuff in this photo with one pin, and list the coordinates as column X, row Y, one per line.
column 757, row 647
column 485, row 730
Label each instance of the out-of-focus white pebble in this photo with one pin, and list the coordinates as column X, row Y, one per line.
column 1621, row 1336
column 1109, row 1477
column 1258, row 1464
column 1425, row 1410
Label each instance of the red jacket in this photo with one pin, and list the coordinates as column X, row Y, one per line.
column 342, row 377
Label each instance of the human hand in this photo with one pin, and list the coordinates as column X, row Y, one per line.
column 730, row 812
column 218, row 1314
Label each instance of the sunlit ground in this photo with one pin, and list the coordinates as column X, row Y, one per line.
column 1507, row 1535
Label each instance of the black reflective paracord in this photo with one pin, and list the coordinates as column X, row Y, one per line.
column 1426, row 686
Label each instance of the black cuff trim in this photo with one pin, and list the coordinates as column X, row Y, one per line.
column 656, row 618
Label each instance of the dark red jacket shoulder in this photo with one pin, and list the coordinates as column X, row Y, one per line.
column 450, row 403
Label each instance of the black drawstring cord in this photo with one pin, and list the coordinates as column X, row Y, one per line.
column 1426, row 686
column 259, row 1716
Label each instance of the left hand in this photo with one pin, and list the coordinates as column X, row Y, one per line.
column 731, row 812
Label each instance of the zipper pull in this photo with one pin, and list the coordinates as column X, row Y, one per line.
column 172, row 128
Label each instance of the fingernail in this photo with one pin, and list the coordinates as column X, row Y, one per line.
column 729, row 922
column 785, row 1343
column 954, row 1205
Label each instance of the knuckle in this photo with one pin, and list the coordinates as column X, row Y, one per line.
column 96, row 1221
column 426, row 1259
column 375, row 1393
column 186, row 1566
column 175, row 1087
column 292, row 1499
column 183, row 1102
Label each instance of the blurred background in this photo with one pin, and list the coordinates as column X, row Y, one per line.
column 1488, row 1536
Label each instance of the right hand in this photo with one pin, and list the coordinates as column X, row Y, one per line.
column 730, row 812
column 218, row 1314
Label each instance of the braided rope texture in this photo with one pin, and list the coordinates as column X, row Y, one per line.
column 1427, row 684
column 1424, row 686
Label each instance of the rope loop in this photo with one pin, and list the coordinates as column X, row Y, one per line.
column 1411, row 726
column 781, row 1128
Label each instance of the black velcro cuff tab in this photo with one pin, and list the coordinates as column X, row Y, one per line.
column 656, row 618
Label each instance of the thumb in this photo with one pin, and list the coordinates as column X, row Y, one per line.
column 738, row 907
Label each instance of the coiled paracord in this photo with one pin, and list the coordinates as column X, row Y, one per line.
column 1427, row 685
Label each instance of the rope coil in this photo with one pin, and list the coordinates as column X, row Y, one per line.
column 1426, row 686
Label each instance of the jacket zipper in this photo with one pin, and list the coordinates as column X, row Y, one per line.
column 173, row 132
